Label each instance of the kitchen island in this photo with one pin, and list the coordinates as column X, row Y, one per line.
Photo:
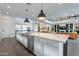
column 44, row 44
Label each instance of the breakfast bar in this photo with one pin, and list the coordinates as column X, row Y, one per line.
column 46, row 44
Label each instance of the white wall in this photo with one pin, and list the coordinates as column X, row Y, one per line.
column 8, row 26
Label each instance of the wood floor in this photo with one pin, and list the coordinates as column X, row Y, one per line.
column 10, row 47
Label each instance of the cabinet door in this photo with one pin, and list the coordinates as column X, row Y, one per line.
column 50, row 51
column 25, row 41
column 19, row 38
column 38, row 47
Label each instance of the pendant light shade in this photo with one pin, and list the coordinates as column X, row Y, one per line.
column 26, row 20
column 41, row 16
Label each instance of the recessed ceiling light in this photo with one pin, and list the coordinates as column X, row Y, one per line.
column 8, row 7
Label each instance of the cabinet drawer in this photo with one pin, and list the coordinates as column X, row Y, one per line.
column 52, row 43
column 41, row 40
column 38, row 39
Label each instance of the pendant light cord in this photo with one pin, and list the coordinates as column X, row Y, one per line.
column 27, row 9
column 26, row 13
column 41, row 6
column 26, row 20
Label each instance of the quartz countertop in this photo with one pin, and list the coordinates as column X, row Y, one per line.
column 51, row 36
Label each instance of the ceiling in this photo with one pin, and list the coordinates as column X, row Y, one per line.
column 52, row 10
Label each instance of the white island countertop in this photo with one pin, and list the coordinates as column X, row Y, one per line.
column 51, row 36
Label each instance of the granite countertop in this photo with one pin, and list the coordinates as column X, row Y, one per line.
column 51, row 36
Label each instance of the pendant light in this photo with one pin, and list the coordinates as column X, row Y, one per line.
column 26, row 20
column 41, row 15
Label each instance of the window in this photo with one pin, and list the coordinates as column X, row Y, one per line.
column 28, row 29
column 18, row 27
column 24, row 27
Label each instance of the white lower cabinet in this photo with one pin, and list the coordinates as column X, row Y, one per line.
column 44, row 47
column 22, row 39
column 25, row 40
column 50, row 51
column 19, row 38
column 38, row 47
